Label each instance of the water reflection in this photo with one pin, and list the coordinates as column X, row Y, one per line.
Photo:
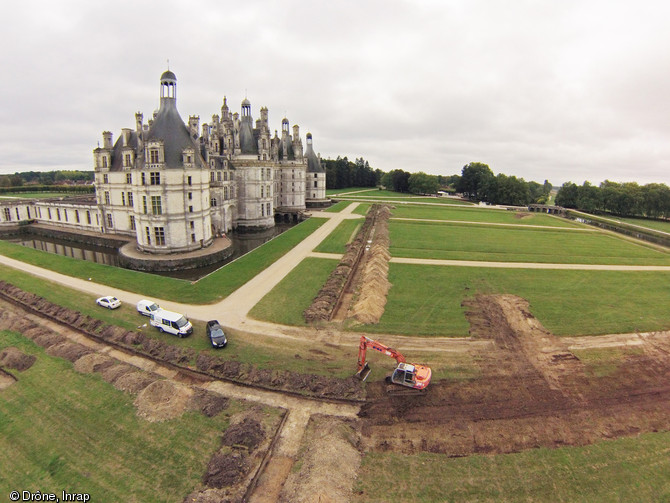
column 243, row 242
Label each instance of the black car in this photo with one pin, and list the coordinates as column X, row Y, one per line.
column 216, row 335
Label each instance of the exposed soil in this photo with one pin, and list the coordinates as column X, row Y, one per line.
column 533, row 392
column 163, row 400
column 247, row 433
column 16, row 359
column 373, row 285
column 330, row 462
column 6, row 379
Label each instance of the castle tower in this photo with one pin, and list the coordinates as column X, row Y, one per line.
column 315, row 178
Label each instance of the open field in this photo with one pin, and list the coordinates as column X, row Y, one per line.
column 337, row 207
column 626, row 469
column 342, row 235
column 659, row 225
column 212, row 288
column 67, row 430
column 482, row 215
column 286, row 302
column 499, row 244
column 38, row 195
column 399, row 197
column 426, row 300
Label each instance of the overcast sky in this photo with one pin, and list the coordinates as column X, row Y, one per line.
column 564, row 91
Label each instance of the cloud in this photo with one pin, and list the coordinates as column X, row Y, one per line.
column 543, row 90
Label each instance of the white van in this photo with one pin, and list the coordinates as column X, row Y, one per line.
column 172, row 323
column 146, row 307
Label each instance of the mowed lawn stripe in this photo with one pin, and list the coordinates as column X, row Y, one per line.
column 463, row 242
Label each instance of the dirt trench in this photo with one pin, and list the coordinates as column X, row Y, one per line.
column 532, row 392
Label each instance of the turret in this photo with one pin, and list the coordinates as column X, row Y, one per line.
column 106, row 139
column 138, row 121
column 168, row 89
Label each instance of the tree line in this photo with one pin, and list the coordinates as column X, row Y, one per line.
column 45, row 178
column 623, row 199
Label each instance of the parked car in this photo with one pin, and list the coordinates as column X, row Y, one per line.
column 172, row 323
column 216, row 335
column 109, row 302
column 146, row 307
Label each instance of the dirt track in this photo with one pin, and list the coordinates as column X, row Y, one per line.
column 533, row 392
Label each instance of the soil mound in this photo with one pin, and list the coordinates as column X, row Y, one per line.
column 92, row 362
column 69, row 350
column 330, row 463
column 208, row 403
column 247, row 432
column 6, row 379
column 225, row 469
column 13, row 358
column 162, row 400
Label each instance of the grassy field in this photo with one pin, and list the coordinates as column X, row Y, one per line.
column 483, row 216
column 286, row 302
column 626, row 469
column 390, row 196
column 337, row 207
column 67, row 430
column 500, row 244
column 659, row 225
column 343, row 234
column 426, row 300
column 38, row 195
column 330, row 192
column 212, row 288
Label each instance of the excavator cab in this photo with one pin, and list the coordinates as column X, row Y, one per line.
column 404, row 375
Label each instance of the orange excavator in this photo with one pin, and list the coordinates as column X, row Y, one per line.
column 406, row 374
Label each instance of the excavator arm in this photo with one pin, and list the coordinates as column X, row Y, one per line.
column 408, row 375
column 365, row 343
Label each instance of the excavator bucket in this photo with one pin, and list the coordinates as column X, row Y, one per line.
column 364, row 372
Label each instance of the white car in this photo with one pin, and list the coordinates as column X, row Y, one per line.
column 147, row 307
column 109, row 302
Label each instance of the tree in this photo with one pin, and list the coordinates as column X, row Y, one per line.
column 567, row 195
column 422, row 183
column 473, row 178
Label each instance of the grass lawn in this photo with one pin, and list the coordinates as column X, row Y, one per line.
column 625, row 469
column 41, row 195
column 362, row 209
column 286, row 302
column 659, row 225
column 390, row 196
column 343, row 234
column 337, row 207
column 330, row 192
column 426, row 300
column 482, row 215
column 212, row 288
column 67, row 430
column 499, row 244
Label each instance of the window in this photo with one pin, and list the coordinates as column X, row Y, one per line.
column 156, row 207
column 262, row 210
column 211, row 176
column 64, row 212
column 155, row 178
column 129, row 178
column 123, row 198
column 193, row 237
column 153, row 156
column 88, row 217
column 192, row 225
column 148, row 235
column 105, row 178
column 18, row 217
column 225, row 193
column 130, row 199
column 8, row 214
column 107, row 197
column 76, row 215
column 262, row 190
column 126, row 159
column 144, row 204
column 28, row 211
column 188, row 159
column 189, row 180
column 315, row 184
column 104, row 165
column 269, row 174
column 268, row 207
column 132, row 223
column 144, row 180
column 49, row 213
column 58, row 214
column 225, row 176
column 212, row 202
column 190, row 196
column 218, row 176
column 159, row 236
column 190, row 209
column 109, row 220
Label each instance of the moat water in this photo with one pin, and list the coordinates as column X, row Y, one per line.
column 243, row 242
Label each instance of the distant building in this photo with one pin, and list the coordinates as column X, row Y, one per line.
column 175, row 186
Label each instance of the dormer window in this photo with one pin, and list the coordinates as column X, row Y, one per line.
column 153, row 155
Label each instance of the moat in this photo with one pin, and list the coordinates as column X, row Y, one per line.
column 242, row 243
